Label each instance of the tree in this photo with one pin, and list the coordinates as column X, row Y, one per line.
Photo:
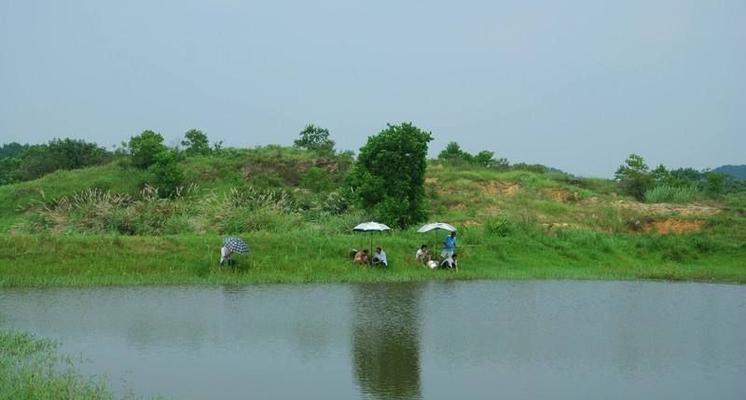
column 486, row 159
column 715, row 183
column 315, row 138
column 145, row 147
column 73, row 154
column 196, row 143
column 9, row 170
column 168, row 175
column 633, row 177
column 388, row 179
column 12, row 149
column 453, row 152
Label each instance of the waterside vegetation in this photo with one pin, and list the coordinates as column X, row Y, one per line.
column 150, row 214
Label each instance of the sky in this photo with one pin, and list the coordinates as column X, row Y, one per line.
column 575, row 85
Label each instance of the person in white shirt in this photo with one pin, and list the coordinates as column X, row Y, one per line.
column 225, row 255
column 379, row 257
column 422, row 255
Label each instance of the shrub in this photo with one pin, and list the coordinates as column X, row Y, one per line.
column 168, row 176
column 633, row 177
column 500, row 226
column 145, row 148
column 316, row 180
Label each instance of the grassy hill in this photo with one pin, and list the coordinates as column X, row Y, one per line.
column 104, row 225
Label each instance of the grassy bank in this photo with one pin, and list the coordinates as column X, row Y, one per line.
column 31, row 368
column 103, row 226
column 307, row 256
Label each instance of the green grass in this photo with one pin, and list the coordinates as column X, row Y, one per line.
column 672, row 194
column 31, row 368
column 58, row 231
column 306, row 256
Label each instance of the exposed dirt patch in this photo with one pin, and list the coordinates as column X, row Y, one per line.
column 500, row 188
column 668, row 208
column 561, row 225
column 562, row 195
column 431, row 181
column 674, row 226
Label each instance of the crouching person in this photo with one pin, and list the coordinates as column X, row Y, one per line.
column 379, row 258
column 450, row 262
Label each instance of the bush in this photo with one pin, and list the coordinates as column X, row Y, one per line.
column 499, row 227
column 145, row 148
column 634, row 177
column 168, row 177
column 316, row 180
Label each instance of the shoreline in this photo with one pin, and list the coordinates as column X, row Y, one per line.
column 34, row 261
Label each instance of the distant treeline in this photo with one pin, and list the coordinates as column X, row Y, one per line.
column 679, row 185
column 23, row 162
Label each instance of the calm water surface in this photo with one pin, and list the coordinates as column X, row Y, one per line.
column 454, row 340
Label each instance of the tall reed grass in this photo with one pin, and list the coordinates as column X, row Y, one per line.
column 670, row 194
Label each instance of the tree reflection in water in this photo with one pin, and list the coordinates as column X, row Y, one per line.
column 386, row 340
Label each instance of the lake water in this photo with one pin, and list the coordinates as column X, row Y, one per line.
column 435, row 340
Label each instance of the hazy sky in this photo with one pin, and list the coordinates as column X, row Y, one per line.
column 575, row 85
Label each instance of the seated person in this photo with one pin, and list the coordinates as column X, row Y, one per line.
column 422, row 255
column 361, row 257
column 379, row 258
column 432, row 264
column 450, row 262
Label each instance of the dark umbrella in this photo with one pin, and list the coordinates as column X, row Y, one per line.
column 235, row 244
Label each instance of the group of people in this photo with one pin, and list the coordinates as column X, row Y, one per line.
column 447, row 259
column 378, row 259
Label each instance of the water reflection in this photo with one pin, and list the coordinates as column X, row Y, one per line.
column 452, row 340
column 386, row 340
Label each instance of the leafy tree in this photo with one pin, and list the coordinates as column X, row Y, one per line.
column 686, row 177
column 634, row 177
column 661, row 175
column 9, row 170
column 73, row 154
column 168, row 176
column 315, row 138
column 12, row 149
column 145, row 148
column 196, row 143
column 389, row 176
column 453, row 152
column 715, row 183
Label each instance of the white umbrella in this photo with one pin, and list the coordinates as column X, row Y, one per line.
column 371, row 227
column 436, row 226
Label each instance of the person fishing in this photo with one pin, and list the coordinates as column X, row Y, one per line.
column 449, row 245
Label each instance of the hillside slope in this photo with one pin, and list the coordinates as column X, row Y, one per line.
column 104, row 226
column 736, row 171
